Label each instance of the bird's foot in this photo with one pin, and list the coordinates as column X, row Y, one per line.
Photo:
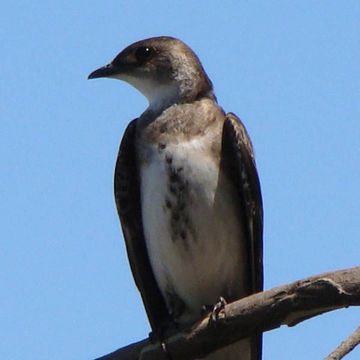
column 216, row 309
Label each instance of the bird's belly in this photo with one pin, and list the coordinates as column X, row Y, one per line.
column 192, row 229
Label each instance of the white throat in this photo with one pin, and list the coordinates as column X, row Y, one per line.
column 158, row 95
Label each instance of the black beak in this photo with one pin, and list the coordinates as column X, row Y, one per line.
column 105, row 71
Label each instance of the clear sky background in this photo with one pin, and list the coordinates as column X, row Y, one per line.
column 289, row 69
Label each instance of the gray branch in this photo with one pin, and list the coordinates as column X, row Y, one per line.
column 284, row 305
column 346, row 346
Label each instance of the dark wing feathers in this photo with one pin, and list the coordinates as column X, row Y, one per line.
column 127, row 197
column 237, row 148
column 240, row 162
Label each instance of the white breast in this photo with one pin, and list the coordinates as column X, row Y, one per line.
column 193, row 239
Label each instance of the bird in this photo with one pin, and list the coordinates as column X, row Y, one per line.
column 187, row 192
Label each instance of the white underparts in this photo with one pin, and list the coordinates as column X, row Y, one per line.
column 210, row 261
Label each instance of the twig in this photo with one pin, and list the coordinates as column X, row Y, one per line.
column 346, row 346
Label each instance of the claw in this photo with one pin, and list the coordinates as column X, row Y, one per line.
column 218, row 307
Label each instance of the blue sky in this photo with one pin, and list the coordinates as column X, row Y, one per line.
column 289, row 69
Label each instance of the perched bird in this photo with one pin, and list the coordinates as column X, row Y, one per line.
column 187, row 191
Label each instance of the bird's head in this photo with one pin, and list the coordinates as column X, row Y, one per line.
column 163, row 69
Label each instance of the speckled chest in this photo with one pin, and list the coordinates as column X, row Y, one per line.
column 177, row 175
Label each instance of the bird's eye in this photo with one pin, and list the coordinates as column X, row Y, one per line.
column 144, row 53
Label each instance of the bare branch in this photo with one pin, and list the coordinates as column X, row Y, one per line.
column 346, row 346
column 283, row 305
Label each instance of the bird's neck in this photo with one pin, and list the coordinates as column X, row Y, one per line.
column 163, row 96
column 185, row 89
